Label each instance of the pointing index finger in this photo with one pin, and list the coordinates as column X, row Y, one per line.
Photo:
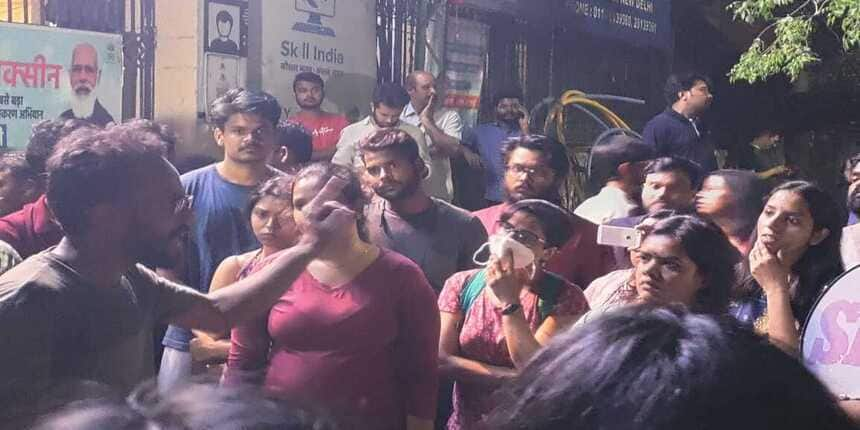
column 329, row 192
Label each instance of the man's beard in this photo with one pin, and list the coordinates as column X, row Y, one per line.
column 309, row 106
column 550, row 194
column 158, row 253
column 405, row 191
column 511, row 122
column 83, row 105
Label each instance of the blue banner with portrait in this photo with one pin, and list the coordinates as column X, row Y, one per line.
column 636, row 22
column 48, row 73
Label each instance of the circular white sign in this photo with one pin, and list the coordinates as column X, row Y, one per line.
column 830, row 343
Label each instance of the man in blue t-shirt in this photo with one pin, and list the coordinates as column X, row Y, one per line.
column 512, row 120
column 244, row 126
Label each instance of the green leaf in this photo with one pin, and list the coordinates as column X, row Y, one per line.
column 787, row 49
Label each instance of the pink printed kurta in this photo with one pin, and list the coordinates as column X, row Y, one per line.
column 482, row 339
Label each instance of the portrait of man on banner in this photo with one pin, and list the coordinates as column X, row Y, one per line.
column 226, row 30
column 84, row 77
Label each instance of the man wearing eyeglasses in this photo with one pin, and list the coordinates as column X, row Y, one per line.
column 78, row 318
column 678, row 131
column 244, row 127
column 535, row 167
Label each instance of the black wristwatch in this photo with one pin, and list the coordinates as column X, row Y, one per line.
column 511, row 308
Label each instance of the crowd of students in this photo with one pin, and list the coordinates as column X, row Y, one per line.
column 353, row 294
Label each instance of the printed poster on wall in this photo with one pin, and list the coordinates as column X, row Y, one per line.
column 465, row 56
column 333, row 38
column 46, row 73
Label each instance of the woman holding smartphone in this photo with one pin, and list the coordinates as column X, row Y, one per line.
column 681, row 259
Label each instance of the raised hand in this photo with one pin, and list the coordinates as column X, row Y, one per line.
column 767, row 269
column 327, row 216
column 524, row 119
column 505, row 281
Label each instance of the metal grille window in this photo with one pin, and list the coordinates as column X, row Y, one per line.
column 397, row 21
column 21, row 11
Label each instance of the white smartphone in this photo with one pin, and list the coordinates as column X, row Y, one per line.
column 625, row 237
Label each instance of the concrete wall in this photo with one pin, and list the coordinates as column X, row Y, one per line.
column 177, row 77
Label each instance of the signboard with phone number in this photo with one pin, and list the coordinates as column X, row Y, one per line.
column 637, row 22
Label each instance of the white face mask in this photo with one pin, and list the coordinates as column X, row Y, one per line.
column 499, row 244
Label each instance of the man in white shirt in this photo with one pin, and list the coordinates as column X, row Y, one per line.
column 442, row 129
column 619, row 166
column 851, row 233
column 388, row 103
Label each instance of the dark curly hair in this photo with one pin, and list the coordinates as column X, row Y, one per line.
column 390, row 139
column 279, row 186
column 658, row 368
column 93, row 166
column 821, row 263
column 391, row 95
column 296, row 139
column 15, row 162
column 240, row 100
column 679, row 82
column 46, row 134
column 711, row 252
column 163, row 131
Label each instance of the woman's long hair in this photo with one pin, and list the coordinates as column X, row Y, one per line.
column 821, row 263
column 711, row 252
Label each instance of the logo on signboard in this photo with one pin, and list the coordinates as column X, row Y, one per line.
column 316, row 9
column 111, row 54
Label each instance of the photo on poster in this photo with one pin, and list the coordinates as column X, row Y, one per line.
column 85, row 72
column 223, row 73
column 50, row 73
column 226, row 27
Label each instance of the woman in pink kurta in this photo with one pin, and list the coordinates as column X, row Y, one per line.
column 355, row 335
column 482, row 346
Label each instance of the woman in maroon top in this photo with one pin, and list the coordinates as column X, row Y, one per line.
column 357, row 333
column 515, row 313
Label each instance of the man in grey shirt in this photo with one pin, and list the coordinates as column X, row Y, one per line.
column 439, row 237
column 84, row 311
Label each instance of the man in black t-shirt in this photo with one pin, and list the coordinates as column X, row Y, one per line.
column 439, row 237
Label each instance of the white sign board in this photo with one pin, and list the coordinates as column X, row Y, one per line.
column 46, row 73
column 830, row 345
column 335, row 39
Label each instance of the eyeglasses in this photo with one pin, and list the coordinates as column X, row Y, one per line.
column 183, row 204
column 532, row 172
column 525, row 237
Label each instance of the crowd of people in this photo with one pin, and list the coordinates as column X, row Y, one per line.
column 321, row 276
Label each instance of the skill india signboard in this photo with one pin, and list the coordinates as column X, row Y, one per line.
column 335, row 39
column 47, row 73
